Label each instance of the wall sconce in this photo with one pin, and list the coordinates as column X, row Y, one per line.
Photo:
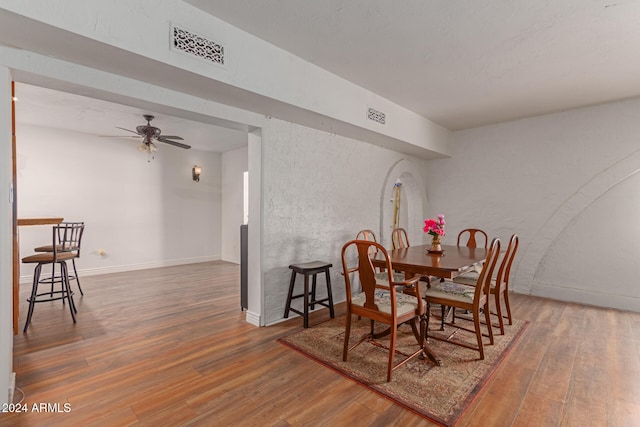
column 195, row 173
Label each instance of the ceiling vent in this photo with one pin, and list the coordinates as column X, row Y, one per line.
column 188, row 42
column 376, row 116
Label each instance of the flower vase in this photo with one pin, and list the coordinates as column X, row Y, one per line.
column 436, row 247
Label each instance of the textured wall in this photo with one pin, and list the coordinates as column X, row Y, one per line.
column 565, row 183
column 319, row 191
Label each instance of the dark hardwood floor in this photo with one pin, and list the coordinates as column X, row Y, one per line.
column 170, row 346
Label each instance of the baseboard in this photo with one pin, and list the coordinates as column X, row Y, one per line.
column 253, row 318
column 133, row 267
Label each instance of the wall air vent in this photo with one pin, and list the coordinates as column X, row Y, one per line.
column 376, row 116
column 188, row 42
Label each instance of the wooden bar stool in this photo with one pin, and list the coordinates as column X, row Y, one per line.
column 309, row 269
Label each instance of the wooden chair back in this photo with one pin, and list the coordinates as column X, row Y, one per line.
column 473, row 235
column 483, row 285
column 399, row 239
column 502, row 278
column 368, row 235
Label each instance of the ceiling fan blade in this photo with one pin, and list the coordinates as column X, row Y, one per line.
column 174, row 143
column 120, row 136
column 128, row 130
column 172, row 137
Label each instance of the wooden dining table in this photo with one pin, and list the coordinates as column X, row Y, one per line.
column 416, row 260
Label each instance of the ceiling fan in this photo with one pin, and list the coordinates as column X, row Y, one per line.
column 151, row 133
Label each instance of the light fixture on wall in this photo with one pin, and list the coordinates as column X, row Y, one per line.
column 195, row 173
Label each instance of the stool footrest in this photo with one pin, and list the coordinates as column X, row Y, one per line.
column 63, row 295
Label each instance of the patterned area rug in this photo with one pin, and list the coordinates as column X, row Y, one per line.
column 440, row 394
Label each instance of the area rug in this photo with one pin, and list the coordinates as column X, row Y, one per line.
column 438, row 393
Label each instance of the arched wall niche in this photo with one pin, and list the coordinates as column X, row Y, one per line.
column 413, row 202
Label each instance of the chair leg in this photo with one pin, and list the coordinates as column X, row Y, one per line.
column 70, row 293
column 53, row 278
column 313, row 290
column 415, row 328
column 329, row 293
column 306, row 301
column 347, row 330
column 75, row 271
column 487, row 318
column 499, row 312
column 476, row 324
column 392, row 351
column 34, row 293
column 506, row 304
column 66, row 289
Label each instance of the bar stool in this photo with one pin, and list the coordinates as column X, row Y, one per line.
column 309, row 269
column 61, row 253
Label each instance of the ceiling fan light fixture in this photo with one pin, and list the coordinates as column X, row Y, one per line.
column 151, row 133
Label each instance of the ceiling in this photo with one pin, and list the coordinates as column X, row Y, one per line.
column 40, row 106
column 462, row 63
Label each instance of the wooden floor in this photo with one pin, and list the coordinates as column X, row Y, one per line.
column 170, row 346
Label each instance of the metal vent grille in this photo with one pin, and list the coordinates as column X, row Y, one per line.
column 193, row 44
column 376, row 116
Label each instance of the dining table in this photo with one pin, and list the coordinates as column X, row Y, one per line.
column 417, row 260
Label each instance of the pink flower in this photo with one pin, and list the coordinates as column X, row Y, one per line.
column 434, row 227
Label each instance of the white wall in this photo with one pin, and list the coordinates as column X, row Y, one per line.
column 319, row 190
column 6, row 239
column 566, row 184
column 234, row 164
column 142, row 213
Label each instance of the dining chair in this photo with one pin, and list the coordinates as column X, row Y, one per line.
column 472, row 236
column 468, row 234
column 499, row 282
column 62, row 251
column 381, row 302
column 75, row 242
column 399, row 238
column 470, row 298
column 381, row 275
